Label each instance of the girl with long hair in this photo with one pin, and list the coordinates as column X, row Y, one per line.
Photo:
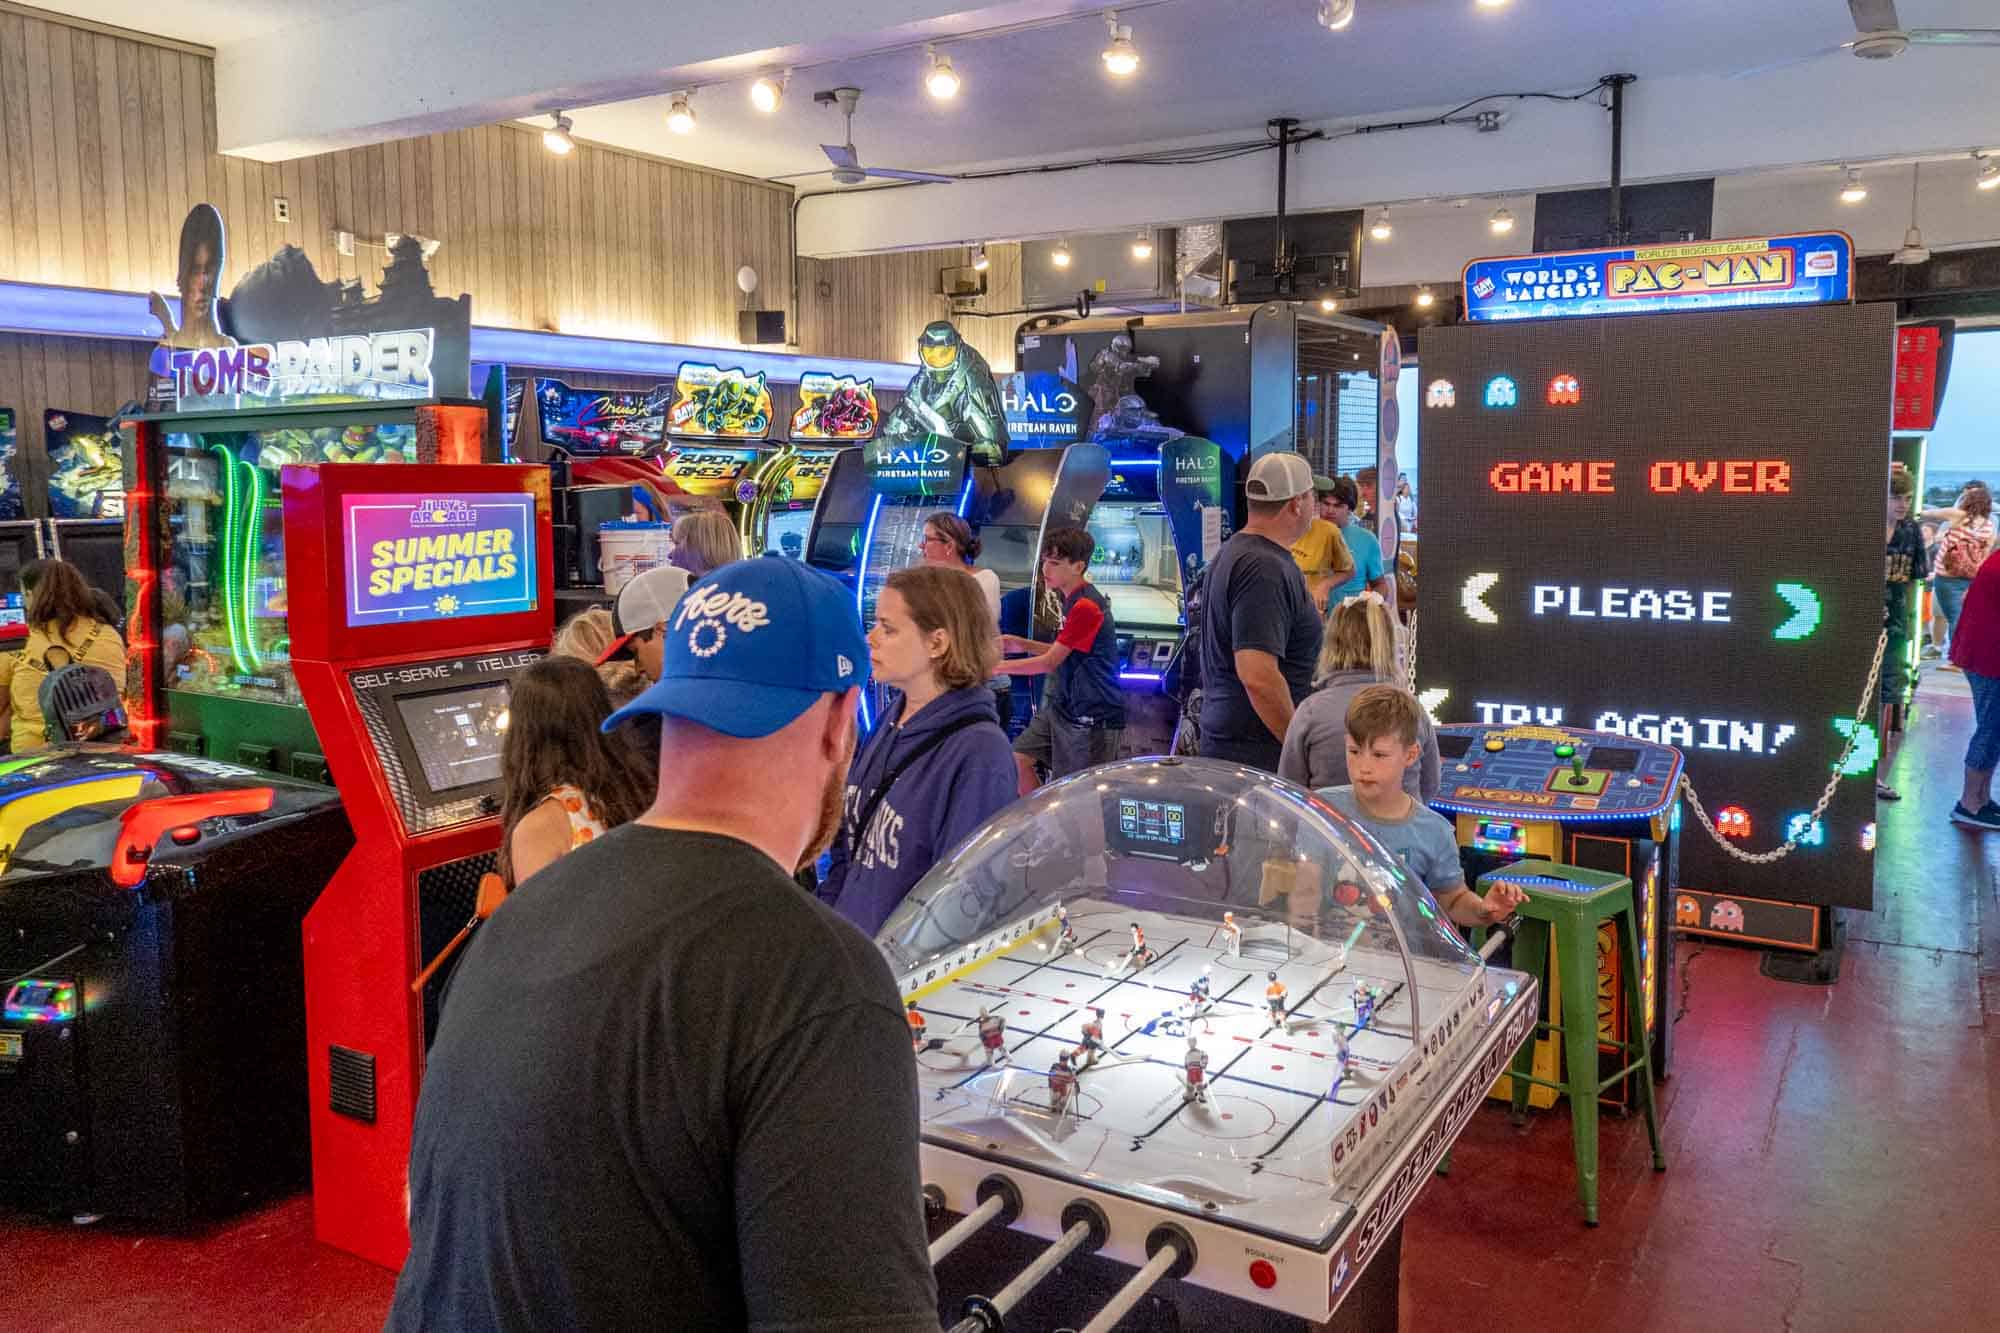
column 563, row 782
column 950, row 543
column 705, row 540
column 64, row 626
column 1359, row 650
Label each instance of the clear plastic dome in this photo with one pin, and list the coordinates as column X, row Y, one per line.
column 1211, row 990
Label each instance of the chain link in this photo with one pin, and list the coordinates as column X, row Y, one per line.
column 1779, row 853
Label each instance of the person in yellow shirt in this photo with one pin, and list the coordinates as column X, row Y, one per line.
column 64, row 627
column 1322, row 554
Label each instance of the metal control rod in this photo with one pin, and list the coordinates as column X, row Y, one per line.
column 1031, row 1276
column 1128, row 1295
column 971, row 1222
column 1499, row 935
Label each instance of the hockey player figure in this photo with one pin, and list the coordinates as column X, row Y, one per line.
column 1274, row 998
column 1194, row 1074
column 1139, row 954
column 993, row 1036
column 1092, row 1044
column 1066, row 933
column 1062, row 1086
column 1366, row 997
column 917, row 1026
column 1232, row 934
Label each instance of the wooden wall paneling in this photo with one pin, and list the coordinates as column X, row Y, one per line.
column 166, row 161
column 88, row 222
column 42, row 195
column 118, row 124
column 69, row 164
column 13, row 137
column 67, row 374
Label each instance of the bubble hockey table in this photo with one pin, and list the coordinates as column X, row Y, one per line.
column 1261, row 1205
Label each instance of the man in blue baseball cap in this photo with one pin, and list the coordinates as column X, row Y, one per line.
column 667, row 1086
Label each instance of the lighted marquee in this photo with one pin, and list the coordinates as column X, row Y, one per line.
column 363, row 366
column 1686, row 550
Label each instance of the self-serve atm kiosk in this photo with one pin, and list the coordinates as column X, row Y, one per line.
column 435, row 595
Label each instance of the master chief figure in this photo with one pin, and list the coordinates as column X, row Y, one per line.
column 1113, row 375
column 953, row 395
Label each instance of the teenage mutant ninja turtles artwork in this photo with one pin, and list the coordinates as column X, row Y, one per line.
column 10, row 479
column 86, row 466
column 953, row 395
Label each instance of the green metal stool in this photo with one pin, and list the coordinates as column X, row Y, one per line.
column 1572, row 902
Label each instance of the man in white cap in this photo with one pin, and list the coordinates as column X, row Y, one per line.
column 643, row 607
column 1260, row 633
column 668, row 1089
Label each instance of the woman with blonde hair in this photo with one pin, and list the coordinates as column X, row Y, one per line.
column 938, row 765
column 588, row 636
column 1359, row 650
column 703, row 541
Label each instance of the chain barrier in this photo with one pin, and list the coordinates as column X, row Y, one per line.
column 1779, row 853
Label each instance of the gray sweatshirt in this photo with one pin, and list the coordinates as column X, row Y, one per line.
column 1315, row 753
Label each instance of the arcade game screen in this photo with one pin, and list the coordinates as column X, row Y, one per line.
column 86, row 466
column 1669, row 527
column 223, row 605
column 457, row 734
column 787, row 530
column 1135, row 565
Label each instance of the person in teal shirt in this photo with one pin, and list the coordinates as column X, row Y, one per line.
column 1337, row 506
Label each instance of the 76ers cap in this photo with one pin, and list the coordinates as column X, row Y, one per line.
column 753, row 645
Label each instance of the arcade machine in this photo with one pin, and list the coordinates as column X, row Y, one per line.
column 437, row 594
column 208, row 598
column 1605, row 802
column 717, row 424
column 1175, row 1016
column 151, row 995
column 834, row 412
column 21, row 538
column 86, row 497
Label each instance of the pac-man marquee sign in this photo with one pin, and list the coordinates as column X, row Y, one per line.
column 1701, row 275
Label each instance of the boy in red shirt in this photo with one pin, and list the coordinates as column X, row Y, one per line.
column 1975, row 650
column 1090, row 715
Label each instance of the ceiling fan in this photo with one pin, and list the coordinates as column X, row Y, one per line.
column 847, row 168
column 1879, row 34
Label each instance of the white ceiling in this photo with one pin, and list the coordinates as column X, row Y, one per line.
column 1213, row 67
column 206, row 22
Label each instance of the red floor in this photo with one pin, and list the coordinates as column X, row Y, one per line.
column 1833, row 1156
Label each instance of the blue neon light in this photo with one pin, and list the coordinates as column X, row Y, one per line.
column 964, row 496
column 860, row 588
column 1135, row 462
column 1146, row 677
column 27, row 307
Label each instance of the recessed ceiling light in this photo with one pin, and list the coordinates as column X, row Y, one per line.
column 1142, row 245
column 556, row 137
column 979, row 259
column 1382, row 231
column 1121, row 58
column 1335, row 14
column 1060, row 255
column 1501, row 222
column 1425, row 298
column 1326, row 304
column 1853, row 192
column 941, row 80
column 767, row 94
column 680, row 115
column 1493, row 4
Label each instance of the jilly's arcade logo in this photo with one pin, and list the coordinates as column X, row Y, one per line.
column 370, row 365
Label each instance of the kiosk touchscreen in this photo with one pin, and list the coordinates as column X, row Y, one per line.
column 436, row 594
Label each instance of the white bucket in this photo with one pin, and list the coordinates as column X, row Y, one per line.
column 626, row 550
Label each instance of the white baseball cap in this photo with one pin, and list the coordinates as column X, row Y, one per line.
column 647, row 600
column 1278, row 477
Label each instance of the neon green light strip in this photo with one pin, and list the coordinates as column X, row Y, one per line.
column 231, row 585
column 253, row 536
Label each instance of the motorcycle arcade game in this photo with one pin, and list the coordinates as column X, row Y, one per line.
column 436, row 596
column 151, row 998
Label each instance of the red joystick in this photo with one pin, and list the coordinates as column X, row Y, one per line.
column 1346, row 894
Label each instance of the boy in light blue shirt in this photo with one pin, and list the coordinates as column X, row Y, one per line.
column 1381, row 743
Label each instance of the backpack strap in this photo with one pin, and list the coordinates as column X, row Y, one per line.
column 901, row 766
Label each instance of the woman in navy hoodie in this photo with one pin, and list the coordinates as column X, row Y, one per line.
column 937, row 765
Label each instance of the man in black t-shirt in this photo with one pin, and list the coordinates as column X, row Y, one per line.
column 1260, row 633
column 669, row 1090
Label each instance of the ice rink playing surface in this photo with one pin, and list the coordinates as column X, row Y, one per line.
column 1268, row 1127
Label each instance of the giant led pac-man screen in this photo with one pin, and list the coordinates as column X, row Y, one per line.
column 1671, row 528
